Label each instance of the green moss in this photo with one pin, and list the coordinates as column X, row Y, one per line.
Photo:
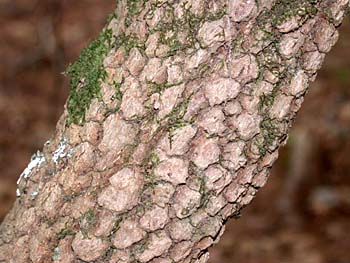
column 175, row 117
column 139, row 248
column 50, row 222
column 267, row 100
column 169, row 8
column 64, row 232
column 192, row 22
column 88, row 71
column 170, row 26
column 283, row 10
column 89, row 216
column 116, row 225
column 128, row 42
column 86, row 74
column 270, row 133
column 269, row 127
column 203, row 69
column 172, row 42
column 149, row 164
column 87, row 220
column 118, row 94
column 154, row 87
column 111, row 17
column 154, row 158
column 134, row 8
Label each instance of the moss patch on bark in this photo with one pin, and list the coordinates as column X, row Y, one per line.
column 86, row 75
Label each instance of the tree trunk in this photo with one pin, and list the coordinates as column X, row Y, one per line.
column 174, row 118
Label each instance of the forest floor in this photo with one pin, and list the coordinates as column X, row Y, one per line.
column 301, row 216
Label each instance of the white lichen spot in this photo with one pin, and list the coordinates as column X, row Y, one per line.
column 69, row 153
column 61, row 151
column 36, row 160
column 34, row 194
column 56, row 254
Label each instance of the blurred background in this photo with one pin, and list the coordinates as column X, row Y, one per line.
column 301, row 216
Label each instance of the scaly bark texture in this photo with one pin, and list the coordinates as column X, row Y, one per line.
column 175, row 116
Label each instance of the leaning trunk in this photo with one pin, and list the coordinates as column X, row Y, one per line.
column 174, row 118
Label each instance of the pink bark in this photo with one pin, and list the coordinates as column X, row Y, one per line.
column 207, row 97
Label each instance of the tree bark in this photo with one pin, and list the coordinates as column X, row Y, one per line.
column 174, row 118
